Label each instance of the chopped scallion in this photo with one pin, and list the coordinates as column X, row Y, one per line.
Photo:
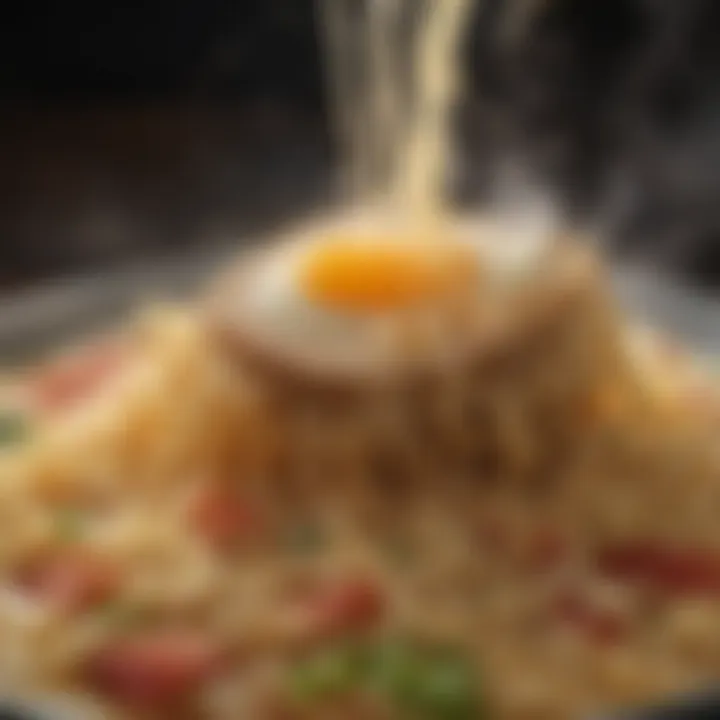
column 419, row 682
column 327, row 674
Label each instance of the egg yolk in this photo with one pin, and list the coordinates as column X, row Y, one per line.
column 372, row 276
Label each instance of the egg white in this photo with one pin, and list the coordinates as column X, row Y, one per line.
column 277, row 302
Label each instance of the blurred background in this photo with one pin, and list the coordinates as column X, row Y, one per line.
column 130, row 130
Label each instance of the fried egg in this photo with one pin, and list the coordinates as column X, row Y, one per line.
column 348, row 290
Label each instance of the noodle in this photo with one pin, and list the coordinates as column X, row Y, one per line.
column 259, row 506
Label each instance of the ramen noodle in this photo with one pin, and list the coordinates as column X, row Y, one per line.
column 199, row 517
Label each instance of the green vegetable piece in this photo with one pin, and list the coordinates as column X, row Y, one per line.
column 424, row 683
column 393, row 670
column 14, row 427
column 420, row 683
column 328, row 674
column 448, row 690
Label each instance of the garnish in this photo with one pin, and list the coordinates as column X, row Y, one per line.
column 327, row 674
column 415, row 680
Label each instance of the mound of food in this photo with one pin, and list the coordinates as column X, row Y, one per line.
column 385, row 480
column 401, row 358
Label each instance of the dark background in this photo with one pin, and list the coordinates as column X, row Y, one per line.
column 129, row 129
